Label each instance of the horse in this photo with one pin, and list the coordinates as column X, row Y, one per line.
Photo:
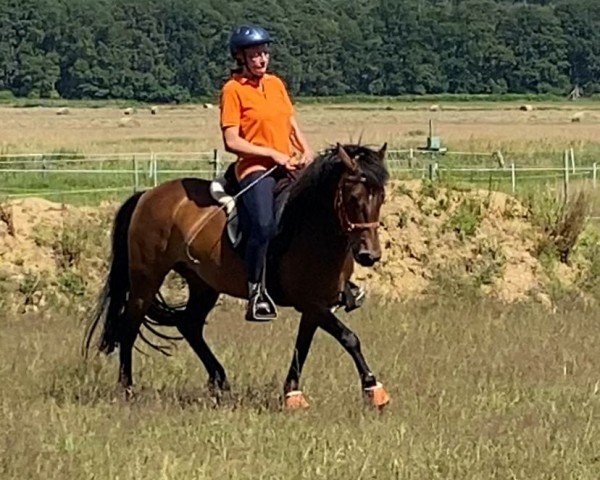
column 329, row 221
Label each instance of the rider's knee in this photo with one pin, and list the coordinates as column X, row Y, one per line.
column 264, row 230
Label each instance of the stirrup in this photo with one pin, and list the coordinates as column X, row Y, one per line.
column 352, row 297
column 261, row 307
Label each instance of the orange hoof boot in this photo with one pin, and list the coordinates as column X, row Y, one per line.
column 377, row 396
column 295, row 400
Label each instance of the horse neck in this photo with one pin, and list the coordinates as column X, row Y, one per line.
column 317, row 224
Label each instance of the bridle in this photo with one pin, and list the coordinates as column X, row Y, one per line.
column 347, row 225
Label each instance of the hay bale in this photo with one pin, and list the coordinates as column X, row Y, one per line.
column 576, row 118
column 128, row 111
column 63, row 111
column 208, row 105
column 434, row 108
column 526, row 108
column 128, row 122
column 154, row 110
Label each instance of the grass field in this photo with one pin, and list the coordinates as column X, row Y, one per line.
column 480, row 390
column 527, row 139
column 477, row 126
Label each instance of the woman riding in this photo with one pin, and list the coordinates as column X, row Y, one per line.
column 258, row 125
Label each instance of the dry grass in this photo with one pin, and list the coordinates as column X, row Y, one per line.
column 479, row 391
column 486, row 127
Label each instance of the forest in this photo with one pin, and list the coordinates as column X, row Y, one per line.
column 176, row 50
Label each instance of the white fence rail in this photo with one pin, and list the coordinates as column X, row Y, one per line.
column 56, row 174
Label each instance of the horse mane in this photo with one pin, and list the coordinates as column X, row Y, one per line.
column 325, row 171
column 311, row 196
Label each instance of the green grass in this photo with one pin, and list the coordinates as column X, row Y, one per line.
column 114, row 174
column 480, row 390
column 445, row 97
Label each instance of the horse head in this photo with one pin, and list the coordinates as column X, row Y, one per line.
column 358, row 199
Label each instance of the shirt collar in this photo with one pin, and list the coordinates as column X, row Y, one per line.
column 244, row 80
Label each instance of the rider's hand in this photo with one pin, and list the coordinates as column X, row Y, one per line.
column 307, row 158
column 280, row 158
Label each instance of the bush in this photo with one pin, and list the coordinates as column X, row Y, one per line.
column 562, row 223
column 465, row 219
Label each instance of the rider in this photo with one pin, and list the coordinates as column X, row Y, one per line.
column 258, row 125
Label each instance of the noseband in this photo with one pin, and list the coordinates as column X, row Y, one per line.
column 347, row 225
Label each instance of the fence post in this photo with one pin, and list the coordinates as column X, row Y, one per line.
column 594, row 174
column 572, row 159
column 44, row 167
column 154, row 169
column 135, row 175
column 513, row 178
column 566, row 184
column 500, row 159
column 411, row 156
column 216, row 163
column 431, row 171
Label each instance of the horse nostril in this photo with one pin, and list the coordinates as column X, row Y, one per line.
column 366, row 258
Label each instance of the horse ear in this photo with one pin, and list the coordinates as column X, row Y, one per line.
column 346, row 160
column 382, row 151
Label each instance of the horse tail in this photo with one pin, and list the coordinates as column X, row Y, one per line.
column 113, row 297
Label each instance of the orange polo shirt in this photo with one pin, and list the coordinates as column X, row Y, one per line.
column 262, row 110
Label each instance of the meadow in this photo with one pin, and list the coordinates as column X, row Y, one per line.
column 480, row 389
column 181, row 141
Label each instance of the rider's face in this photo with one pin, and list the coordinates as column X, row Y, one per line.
column 257, row 59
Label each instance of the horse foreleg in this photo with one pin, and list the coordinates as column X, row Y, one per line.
column 294, row 398
column 372, row 389
column 200, row 303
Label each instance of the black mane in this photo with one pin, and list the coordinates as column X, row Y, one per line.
column 327, row 168
column 311, row 198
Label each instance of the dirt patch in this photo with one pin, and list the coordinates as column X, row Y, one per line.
column 436, row 235
column 433, row 238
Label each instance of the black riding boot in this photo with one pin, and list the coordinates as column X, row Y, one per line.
column 261, row 307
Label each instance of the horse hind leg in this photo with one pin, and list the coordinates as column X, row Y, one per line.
column 143, row 289
column 201, row 301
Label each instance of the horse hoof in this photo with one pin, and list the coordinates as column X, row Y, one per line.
column 295, row 400
column 377, row 396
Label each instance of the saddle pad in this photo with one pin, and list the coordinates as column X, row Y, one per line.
column 217, row 191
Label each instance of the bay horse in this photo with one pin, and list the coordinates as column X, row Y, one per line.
column 329, row 221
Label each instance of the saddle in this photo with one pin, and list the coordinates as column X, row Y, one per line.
column 224, row 188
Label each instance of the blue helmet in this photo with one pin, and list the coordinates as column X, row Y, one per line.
column 247, row 36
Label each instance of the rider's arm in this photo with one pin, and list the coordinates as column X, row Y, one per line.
column 301, row 139
column 239, row 146
column 297, row 137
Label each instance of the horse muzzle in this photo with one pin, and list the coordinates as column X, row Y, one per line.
column 367, row 258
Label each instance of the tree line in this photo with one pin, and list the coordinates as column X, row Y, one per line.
column 175, row 50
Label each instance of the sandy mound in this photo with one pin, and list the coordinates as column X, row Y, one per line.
column 424, row 241
column 433, row 239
